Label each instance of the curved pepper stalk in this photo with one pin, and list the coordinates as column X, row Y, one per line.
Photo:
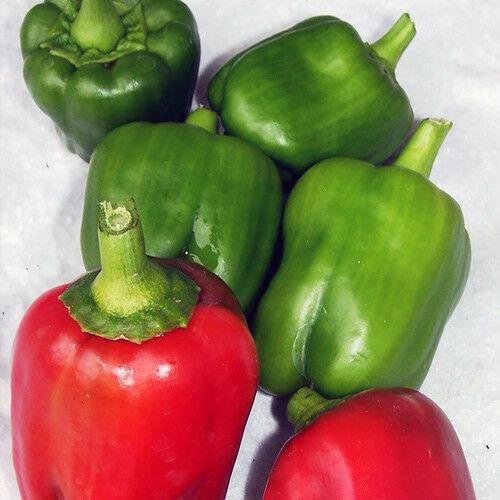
column 422, row 148
column 392, row 45
column 131, row 297
column 97, row 26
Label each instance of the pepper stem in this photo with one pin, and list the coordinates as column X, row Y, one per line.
column 132, row 297
column 305, row 405
column 422, row 148
column 203, row 118
column 97, row 26
column 392, row 45
column 128, row 282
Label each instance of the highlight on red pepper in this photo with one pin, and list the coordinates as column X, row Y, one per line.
column 133, row 382
column 382, row 443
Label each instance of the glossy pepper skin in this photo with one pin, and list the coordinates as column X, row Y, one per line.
column 391, row 444
column 97, row 64
column 375, row 260
column 317, row 91
column 212, row 199
column 94, row 418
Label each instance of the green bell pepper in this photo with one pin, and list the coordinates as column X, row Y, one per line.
column 210, row 198
column 316, row 91
column 92, row 65
column 375, row 260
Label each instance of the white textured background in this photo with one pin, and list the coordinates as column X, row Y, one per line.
column 452, row 70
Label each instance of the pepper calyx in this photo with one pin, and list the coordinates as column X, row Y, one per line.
column 391, row 46
column 306, row 405
column 203, row 118
column 115, row 35
column 132, row 297
column 423, row 146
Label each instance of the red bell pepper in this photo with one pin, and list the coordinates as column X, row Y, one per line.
column 159, row 411
column 392, row 444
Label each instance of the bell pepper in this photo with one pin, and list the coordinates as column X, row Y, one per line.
column 92, row 65
column 134, row 382
column 375, row 260
column 212, row 199
column 316, row 91
column 391, row 444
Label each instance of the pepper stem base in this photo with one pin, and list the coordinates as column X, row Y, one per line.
column 422, row 148
column 203, row 118
column 391, row 46
column 131, row 297
column 306, row 404
column 97, row 26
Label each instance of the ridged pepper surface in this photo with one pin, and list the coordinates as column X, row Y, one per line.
column 316, row 91
column 375, row 260
column 212, row 199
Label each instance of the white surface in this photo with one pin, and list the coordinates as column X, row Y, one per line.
column 450, row 70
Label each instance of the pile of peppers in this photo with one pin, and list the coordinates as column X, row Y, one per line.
column 287, row 252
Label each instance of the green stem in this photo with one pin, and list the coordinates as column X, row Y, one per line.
column 392, row 45
column 97, row 26
column 422, row 148
column 203, row 118
column 128, row 282
column 305, row 405
column 132, row 297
